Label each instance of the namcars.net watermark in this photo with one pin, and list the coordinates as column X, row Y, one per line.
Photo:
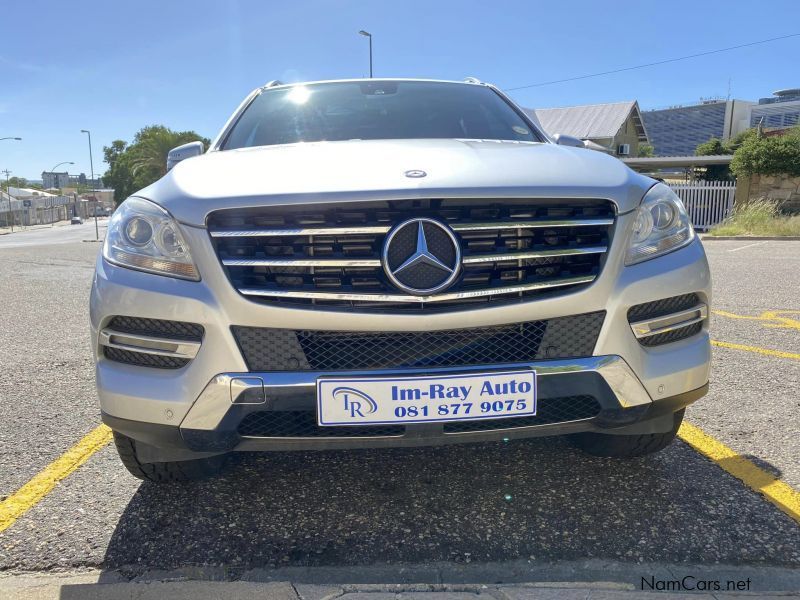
column 692, row 583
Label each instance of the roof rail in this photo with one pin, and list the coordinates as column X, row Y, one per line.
column 273, row 83
column 473, row 80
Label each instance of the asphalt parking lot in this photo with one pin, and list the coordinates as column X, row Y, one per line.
column 533, row 502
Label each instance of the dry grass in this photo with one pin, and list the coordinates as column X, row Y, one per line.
column 758, row 218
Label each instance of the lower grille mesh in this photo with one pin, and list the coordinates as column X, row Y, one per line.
column 286, row 349
column 141, row 359
column 659, row 308
column 303, row 423
column 672, row 336
column 552, row 410
column 176, row 330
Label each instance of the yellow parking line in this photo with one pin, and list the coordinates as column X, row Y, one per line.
column 774, row 490
column 30, row 494
column 756, row 349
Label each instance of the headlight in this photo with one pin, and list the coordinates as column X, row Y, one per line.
column 143, row 236
column 661, row 225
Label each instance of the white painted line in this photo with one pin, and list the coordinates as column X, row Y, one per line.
column 747, row 246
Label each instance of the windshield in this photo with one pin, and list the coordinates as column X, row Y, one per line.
column 377, row 110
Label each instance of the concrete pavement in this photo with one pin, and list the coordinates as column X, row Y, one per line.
column 486, row 513
column 49, row 235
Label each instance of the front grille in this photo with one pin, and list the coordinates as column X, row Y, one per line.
column 174, row 330
column 266, row 349
column 330, row 255
column 303, row 423
column 671, row 336
column 142, row 359
column 549, row 411
column 660, row 308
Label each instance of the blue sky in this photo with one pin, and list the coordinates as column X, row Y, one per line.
column 115, row 66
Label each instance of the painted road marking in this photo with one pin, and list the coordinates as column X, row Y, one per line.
column 747, row 246
column 774, row 490
column 776, row 319
column 777, row 492
column 757, row 350
column 30, row 494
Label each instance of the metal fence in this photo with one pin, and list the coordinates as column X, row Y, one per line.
column 707, row 202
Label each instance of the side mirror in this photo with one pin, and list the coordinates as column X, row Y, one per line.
column 183, row 152
column 568, row 140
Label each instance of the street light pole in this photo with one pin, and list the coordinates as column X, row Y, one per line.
column 91, row 165
column 10, row 208
column 369, row 35
column 53, row 170
column 66, row 162
column 7, row 172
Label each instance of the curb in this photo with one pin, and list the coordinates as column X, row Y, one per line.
column 90, row 588
column 512, row 580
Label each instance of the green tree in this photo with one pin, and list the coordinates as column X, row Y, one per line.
column 140, row 163
column 645, row 150
column 712, row 147
column 716, row 146
column 14, row 182
column 119, row 175
column 732, row 145
column 772, row 155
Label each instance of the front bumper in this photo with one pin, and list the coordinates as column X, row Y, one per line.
column 190, row 408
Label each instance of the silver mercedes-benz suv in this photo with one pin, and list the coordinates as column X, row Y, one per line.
column 374, row 263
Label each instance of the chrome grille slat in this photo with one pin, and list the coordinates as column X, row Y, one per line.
column 380, row 229
column 346, row 262
column 497, row 257
column 330, row 255
column 312, row 262
column 405, row 298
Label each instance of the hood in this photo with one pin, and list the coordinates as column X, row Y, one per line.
column 375, row 170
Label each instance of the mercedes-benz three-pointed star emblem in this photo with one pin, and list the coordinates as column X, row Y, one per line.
column 422, row 256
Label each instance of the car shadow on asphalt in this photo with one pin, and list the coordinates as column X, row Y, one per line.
column 538, row 500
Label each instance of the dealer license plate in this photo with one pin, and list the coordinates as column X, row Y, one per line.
column 426, row 399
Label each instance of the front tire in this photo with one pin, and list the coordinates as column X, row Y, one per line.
column 165, row 472
column 627, row 446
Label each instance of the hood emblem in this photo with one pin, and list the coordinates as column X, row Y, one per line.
column 422, row 256
column 416, row 173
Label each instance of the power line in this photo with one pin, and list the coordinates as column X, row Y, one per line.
column 652, row 64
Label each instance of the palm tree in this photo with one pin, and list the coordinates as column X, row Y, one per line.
column 150, row 149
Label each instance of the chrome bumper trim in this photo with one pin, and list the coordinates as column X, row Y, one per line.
column 216, row 399
column 671, row 322
column 145, row 344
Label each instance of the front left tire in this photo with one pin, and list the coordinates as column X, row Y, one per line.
column 166, row 472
